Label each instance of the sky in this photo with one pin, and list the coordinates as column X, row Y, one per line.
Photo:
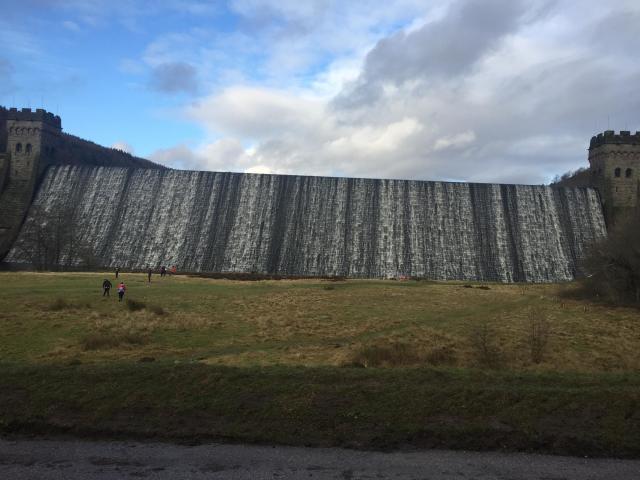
column 505, row 91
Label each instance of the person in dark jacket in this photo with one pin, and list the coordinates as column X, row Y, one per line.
column 106, row 286
column 149, row 275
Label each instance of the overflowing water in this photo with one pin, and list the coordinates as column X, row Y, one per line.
column 296, row 225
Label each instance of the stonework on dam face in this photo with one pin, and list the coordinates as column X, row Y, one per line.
column 296, row 225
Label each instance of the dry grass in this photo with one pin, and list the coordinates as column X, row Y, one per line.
column 157, row 310
column 135, row 305
column 106, row 339
column 58, row 304
column 302, row 323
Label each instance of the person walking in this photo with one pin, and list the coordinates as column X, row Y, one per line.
column 121, row 289
column 163, row 271
column 117, row 271
column 106, row 286
column 149, row 275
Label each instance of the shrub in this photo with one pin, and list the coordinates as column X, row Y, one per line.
column 442, row 355
column 538, row 337
column 486, row 350
column 135, row 305
column 573, row 178
column 59, row 304
column 156, row 309
column 103, row 340
column 612, row 266
column 391, row 355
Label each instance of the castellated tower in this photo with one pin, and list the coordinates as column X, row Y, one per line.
column 28, row 145
column 31, row 141
column 614, row 161
column 32, row 138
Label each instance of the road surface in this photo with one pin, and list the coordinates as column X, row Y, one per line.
column 98, row 460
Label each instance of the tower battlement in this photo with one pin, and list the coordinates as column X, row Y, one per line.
column 614, row 160
column 37, row 115
column 610, row 137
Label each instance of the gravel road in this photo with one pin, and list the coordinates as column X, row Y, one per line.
column 93, row 460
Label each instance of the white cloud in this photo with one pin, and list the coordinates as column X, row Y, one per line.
column 455, row 141
column 124, row 146
column 258, row 169
column 251, row 112
column 374, row 141
column 294, row 134
column 510, row 92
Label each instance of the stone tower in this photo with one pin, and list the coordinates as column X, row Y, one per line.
column 30, row 140
column 614, row 161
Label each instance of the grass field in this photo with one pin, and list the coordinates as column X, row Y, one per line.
column 447, row 364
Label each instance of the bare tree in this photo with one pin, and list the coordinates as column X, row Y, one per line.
column 612, row 267
column 485, row 345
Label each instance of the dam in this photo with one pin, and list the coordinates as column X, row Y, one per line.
column 138, row 218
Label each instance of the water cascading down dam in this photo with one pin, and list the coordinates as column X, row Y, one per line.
column 298, row 225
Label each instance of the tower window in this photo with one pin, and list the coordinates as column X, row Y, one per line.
column 27, row 149
column 18, row 147
column 616, row 172
column 628, row 172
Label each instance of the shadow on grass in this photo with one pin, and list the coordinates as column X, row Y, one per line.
column 352, row 407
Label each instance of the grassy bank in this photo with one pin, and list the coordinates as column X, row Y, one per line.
column 362, row 408
column 281, row 361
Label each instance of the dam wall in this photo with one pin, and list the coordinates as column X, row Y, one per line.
column 298, row 225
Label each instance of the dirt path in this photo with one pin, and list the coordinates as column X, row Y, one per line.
column 93, row 460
